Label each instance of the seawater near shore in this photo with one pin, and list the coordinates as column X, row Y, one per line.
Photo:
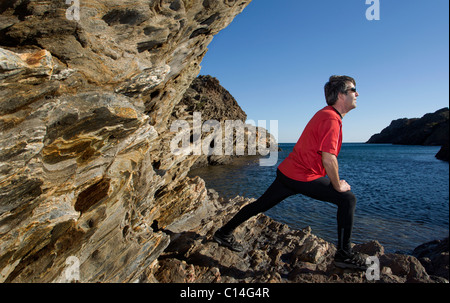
column 225, row 139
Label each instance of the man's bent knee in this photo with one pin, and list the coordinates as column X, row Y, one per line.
column 349, row 199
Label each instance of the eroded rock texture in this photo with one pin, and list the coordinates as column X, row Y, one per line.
column 275, row 253
column 86, row 170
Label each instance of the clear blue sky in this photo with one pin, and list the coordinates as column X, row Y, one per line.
column 276, row 56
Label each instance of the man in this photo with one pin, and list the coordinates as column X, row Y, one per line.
column 304, row 170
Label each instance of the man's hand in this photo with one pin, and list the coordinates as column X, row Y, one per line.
column 344, row 186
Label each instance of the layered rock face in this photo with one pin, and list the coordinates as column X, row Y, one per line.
column 87, row 175
column 207, row 96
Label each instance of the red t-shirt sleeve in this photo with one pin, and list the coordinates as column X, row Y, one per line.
column 329, row 131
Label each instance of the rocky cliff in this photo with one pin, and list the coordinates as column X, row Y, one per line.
column 431, row 129
column 207, row 97
column 87, row 92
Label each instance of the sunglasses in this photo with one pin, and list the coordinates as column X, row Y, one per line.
column 353, row 89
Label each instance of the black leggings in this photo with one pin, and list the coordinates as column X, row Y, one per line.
column 319, row 189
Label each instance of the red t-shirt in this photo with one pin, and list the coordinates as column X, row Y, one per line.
column 323, row 133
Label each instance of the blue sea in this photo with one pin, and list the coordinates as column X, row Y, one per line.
column 402, row 191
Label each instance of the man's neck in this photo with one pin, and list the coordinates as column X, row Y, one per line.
column 340, row 112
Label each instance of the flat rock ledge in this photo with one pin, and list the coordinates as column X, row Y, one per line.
column 275, row 253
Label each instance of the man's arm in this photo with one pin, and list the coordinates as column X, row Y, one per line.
column 330, row 163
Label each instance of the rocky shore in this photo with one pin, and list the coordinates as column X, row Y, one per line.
column 274, row 253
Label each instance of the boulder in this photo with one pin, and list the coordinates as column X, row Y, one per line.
column 434, row 257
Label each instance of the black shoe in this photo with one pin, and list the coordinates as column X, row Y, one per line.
column 227, row 241
column 351, row 260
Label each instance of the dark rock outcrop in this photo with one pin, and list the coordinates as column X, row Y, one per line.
column 434, row 257
column 431, row 129
column 444, row 152
column 207, row 97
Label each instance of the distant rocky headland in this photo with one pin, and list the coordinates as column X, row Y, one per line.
column 90, row 190
column 432, row 129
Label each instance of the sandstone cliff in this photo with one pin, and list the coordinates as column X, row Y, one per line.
column 86, row 171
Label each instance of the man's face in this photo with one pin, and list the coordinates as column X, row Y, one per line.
column 350, row 97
